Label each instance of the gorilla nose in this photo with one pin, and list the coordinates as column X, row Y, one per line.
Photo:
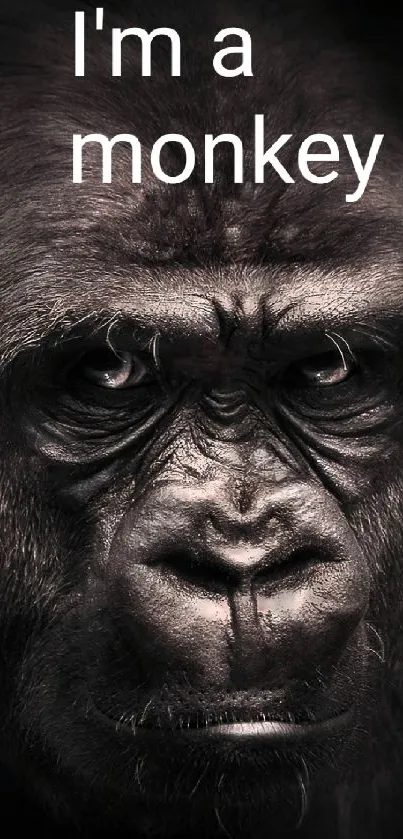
column 222, row 541
column 210, row 537
column 231, row 593
column 218, row 541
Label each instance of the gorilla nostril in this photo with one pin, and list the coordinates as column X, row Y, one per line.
column 223, row 571
column 298, row 563
column 196, row 569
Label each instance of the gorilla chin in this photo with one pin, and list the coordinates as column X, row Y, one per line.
column 177, row 771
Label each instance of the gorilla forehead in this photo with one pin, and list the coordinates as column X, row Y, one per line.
column 312, row 85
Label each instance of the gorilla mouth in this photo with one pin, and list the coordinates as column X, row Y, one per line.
column 274, row 729
column 272, row 732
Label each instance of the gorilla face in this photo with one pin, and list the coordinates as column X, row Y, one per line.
column 207, row 615
column 200, row 490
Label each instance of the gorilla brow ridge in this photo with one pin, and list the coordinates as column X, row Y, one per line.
column 53, row 332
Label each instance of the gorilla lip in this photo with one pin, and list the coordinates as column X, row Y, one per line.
column 273, row 732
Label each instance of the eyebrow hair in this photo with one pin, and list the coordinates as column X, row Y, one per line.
column 335, row 307
column 384, row 332
column 376, row 321
column 41, row 334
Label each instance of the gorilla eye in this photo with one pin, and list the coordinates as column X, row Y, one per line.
column 324, row 370
column 108, row 369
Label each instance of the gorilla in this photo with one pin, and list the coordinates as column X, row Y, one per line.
column 201, row 471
